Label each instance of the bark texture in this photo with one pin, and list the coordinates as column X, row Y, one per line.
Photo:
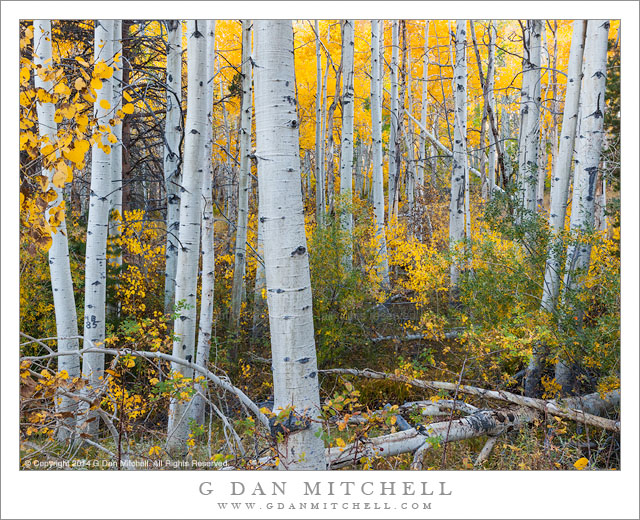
column 295, row 373
column 59, row 267
column 184, row 329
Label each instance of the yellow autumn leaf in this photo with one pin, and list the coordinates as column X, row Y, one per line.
column 79, row 84
column 112, row 138
column 81, row 61
column 154, row 451
column 105, row 104
column 96, row 84
column 102, row 71
column 581, row 463
column 82, row 145
column 74, row 155
column 340, row 443
column 128, row 108
column 130, row 363
column 127, row 96
column 25, row 75
column 62, row 89
column 60, row 175
column 47, row 150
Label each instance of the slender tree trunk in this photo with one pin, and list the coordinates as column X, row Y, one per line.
column 459, row 172
column 244, row 181
column 560, row 178
column 393, row 120
column 346, row 155
column 320, row 100
column 184, row 330
column 96, row 249
column 377, row 158
column 329, row 149
column 423, row 158
column 587, row 164
column 59, row 267
column 491, row 114
column 173, row 135
column 207, row 237
column 295, row 373
column 529, row 140
column 542, row 149
column 115, row 200
column 409, row 137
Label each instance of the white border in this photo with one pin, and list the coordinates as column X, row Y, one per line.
column 175, row 494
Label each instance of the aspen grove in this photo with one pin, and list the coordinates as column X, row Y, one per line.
column 321, row 244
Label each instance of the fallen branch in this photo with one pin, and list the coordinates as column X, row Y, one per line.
column 572, row 408
column 486, row 450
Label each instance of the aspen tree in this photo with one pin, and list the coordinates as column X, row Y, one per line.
column 184, row 330
column 295, row 373
column 115, row 201
column 319, row 169
column 98, row 222
column 530, row 137
column 423, row 158
column 393, row 121
column 244, row 179
column 459, row 171
column 172, row 136
column 346, row 156
column 59, row 267
column 377, row 158
column 491, row 103
column 207, row 235
column 587, row 165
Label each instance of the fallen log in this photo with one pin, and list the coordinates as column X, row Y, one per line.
column 570, row 408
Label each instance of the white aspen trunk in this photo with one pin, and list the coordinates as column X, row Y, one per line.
column 587, row 163
column 542, row 148
column 555, row 103
column 377, row 158
column 409, row 137
column 346, row 151
column 423, row 159
column 244, row 178
column 320, row 202
column 115, row 201
column 529, row 141
column 295, row 373
column 491, row 101
column 184, row 328
column 197, row 411
column 59, row 268
column 560, row 178
column 229, row 181
column 393, row 121
column 358, row 169
column 561, row 175
column 259, row 291
column 172, row 136
column 459, row 171
column 98, row 223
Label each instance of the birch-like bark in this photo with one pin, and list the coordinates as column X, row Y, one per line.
column 378, row 160
column 173, row 135
column 259, row 291
column 295, row 373
column 59, row 268
column 560, row 178
column 423, row 164
column 393, row 120
column 459, row 171
column 320, row 202
column 346, row 155
column 184, row 329
column 529, row 141
column 410, row 183
column 115, row 201
column 244, row 180
column 561, row 174
column 587, row 164
column 207, row 236
column 491, row 103
column 98, row 223
column 542, row 148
